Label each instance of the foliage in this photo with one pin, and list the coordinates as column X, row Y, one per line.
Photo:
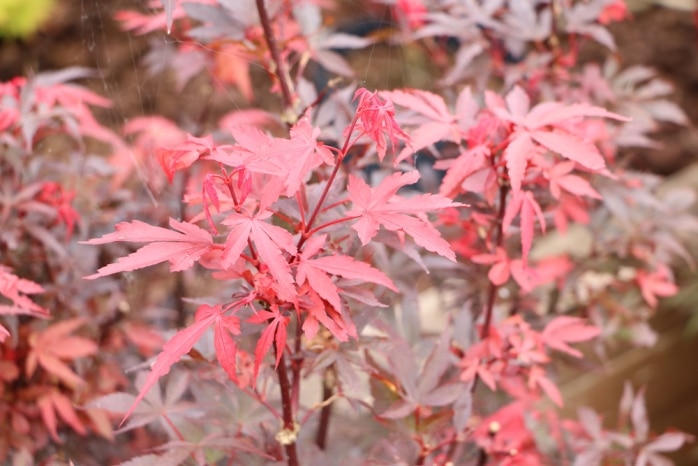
column 302, row 234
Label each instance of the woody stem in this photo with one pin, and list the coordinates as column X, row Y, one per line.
column 287, row 437
column 279, row 64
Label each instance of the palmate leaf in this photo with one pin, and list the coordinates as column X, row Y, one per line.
column 52, row 347
column 270, row 242
column 182, row 249
column 566, row 329
column 546, row 125
column 524, row 204
column 184, row 340
column 381, row 206
column 317, row 271
column 274, row 333
column 432, row 117
column 54, row 402
column 17, row 290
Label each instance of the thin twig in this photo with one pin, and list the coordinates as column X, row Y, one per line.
column 279, row 65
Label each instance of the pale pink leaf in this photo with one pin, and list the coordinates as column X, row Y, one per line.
column 181, row 248
column 566, row 329
column 571, row 147
column 671, row 441
column 381, row 206
column 551, row 113
column 517, row 154
column 226, row 349
column 172, row 351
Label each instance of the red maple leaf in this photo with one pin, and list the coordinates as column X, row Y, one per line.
column 53, row 346
column 525, row 205
column 55, row 402
column 376, row 116
column 270, row 242
column 16, row 289
column 274, row 333
column 182, row 249
column 382, row 206
column 654, row 284
column 566, row 329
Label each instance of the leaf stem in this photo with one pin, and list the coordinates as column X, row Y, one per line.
column 330, row 180
column 328, row 224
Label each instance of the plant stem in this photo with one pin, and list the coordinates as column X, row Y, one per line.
column 279, row 65
column 289, row 426
column 499, row 237
column 297, row 364
column 325, row 412
column 492, row 291
column 482, row 458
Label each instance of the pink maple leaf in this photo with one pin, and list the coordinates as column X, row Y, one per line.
column 270, row 242
column 232, row 66
column 300, row 154
column 525, row 205
column 536, row 376
column 500, row 271
column 656, row 284
column 383, row 206
column 434, row 120
column 566, row 329
column 473, row 367
column 375, row 118
column 55, row 402
column 16, row 290
column 253, row 151
column 182, row 248
column 184, row 154
column 274, row 333
column 52, row 347
column 465, row 165
column 184, row 340
column 560, row 179
column 546, row 125
column 319, row 313
column 317, row 271
column 225, row 346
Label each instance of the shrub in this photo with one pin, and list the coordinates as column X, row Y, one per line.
column 304, row 232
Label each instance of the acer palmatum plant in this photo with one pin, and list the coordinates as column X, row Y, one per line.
column 304, row 233
column 48, row 369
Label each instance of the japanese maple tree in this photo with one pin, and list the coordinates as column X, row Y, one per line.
column 294, row 239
